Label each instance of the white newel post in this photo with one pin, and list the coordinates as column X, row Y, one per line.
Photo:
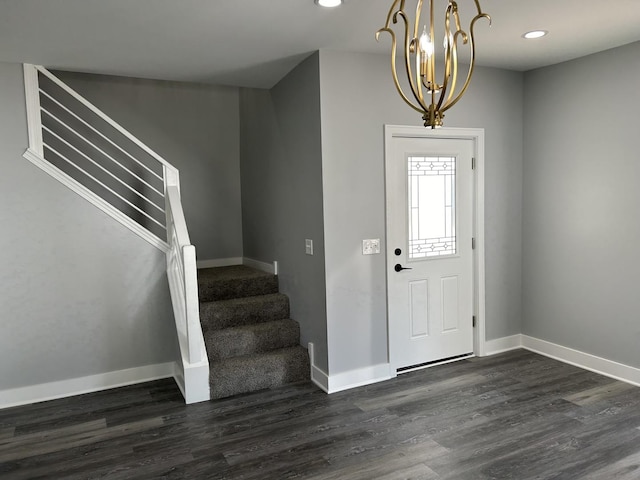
column 191, row 301
column 34, row 120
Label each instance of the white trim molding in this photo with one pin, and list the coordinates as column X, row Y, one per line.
column 476, row 135
column 603, row 366
column 504, row 344
column 347, row 380
column 193, row 381
column 219, row 262
column 249, row 262
column 378, row 373
column 271, row 268
column 78, row 386
column 587, row 361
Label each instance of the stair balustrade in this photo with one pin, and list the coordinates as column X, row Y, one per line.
column 83, row 148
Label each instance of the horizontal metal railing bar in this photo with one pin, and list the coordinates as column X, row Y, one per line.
column 47, row 129
column 103, row 185
column 99, row 150
column 103, row 116
column 159, row 177
column 68, row 181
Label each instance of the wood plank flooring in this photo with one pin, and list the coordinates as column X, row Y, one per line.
column 517, row 416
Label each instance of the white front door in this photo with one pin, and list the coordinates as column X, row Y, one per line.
column 429, row 249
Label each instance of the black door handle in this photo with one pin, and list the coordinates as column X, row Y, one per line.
column 399, row 268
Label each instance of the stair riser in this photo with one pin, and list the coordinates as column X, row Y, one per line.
column 235, row 313
column 210, row 290
column 254, row 339
column 258, row 372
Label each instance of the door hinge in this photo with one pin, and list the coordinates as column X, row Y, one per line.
column 473, row 321
column 473, row 243
column 473, row 163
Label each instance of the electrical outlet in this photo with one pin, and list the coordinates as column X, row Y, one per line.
column 371, row 246
column 308, row 246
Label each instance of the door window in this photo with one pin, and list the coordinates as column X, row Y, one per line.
column 432, row 206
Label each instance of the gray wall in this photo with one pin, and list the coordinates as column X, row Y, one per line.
column 79, row 294
column 357, row 99
column 581, row 197
column 196, row 129
column 282, row 192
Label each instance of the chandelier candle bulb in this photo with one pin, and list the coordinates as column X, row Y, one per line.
column 425, row 43
column 430, row 98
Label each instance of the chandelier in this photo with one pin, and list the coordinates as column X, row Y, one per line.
column 432, row 76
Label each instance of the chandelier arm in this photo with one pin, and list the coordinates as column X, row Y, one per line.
column 416, row 85
column 472, row 45
column 447, row 58
column 453, row 57
column 391, row 15
column 456, row 15
column 394, row 67
column 454, row 62
column 416, row 25
column 409, row 44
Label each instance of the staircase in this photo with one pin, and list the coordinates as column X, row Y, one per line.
column 251, row 342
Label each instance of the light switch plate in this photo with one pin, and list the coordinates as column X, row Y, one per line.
column 308, row 246
column 371, row 246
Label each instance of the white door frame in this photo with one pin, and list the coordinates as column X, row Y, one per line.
column 477, row 136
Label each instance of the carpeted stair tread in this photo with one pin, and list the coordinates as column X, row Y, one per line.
column 250, row 339
column 243, row 311
column 249, row 373
column 251, row 342
column 222, row 283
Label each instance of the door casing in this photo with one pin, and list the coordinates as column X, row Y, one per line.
column 477, row 136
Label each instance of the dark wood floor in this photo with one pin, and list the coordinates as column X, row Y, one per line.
column 512, row 416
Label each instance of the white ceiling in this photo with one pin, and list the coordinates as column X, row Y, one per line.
column 254, row 43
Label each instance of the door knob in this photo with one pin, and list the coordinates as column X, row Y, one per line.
column 399, row 268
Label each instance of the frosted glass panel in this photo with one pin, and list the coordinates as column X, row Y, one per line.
column 432, row 212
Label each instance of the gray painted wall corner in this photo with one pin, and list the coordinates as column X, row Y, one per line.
column 282, row 192
column 581, row 232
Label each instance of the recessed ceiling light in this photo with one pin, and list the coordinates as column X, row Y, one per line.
column 535, row 34
column 329, row 3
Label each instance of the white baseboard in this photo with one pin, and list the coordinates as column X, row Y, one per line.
column 318, row 376
column 504, row 344
column 609, row 368
column 263, row 266
column 603, row 366
column 347, row 380
column 219, row 262
column 78, row 386
column 379, row 373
